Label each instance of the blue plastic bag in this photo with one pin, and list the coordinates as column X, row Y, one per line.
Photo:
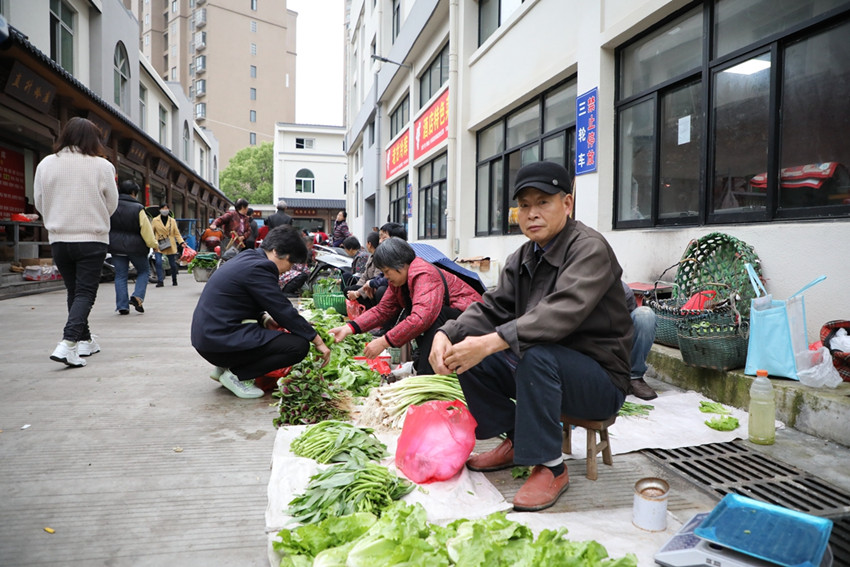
column 778, row 341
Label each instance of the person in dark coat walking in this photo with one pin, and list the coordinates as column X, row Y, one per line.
column 130, row 238
column 340, row 230
column 236, row 324
column 280, row 218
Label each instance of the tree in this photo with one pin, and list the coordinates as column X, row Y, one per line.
column 250, row 174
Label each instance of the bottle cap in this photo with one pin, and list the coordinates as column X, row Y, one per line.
column 761, row 373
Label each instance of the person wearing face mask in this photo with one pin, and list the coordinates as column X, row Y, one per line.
column 167, row 236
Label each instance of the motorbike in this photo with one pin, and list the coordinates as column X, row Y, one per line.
column 330, row 262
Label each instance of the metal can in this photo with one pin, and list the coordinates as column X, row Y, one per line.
column 650, row 507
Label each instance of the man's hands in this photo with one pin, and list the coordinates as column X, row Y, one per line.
column 367, row 291
column 352, row 295
column 446, row 358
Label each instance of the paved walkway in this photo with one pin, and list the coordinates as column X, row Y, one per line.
column 139, row 459
column 136, row 459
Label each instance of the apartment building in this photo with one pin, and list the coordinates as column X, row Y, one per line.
column 679, row 117
column 235, row 59
column 71, row 58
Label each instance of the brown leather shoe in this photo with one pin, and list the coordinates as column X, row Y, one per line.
column 502, row 457
column 642, row 390
column 541, row 490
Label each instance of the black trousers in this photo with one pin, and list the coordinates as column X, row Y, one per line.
column 284, row 350
column 80, row 264
column 528, row 395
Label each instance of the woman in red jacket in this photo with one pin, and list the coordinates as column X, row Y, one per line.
column 421, row 297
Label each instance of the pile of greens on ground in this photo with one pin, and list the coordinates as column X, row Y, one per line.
column 347, row 488
column 310, row 393
column 337, row 441
column 402, row 536
column 721, row 422
column 631, row 408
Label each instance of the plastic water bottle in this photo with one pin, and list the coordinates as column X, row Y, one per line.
column 762, row 429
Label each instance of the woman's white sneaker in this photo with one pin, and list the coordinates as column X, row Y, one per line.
column 66, row 353
column 241, row 388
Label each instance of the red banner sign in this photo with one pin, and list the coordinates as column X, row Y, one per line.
column 12, row 184
column 398, row 155
column 432, row 127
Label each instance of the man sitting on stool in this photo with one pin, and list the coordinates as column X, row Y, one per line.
column 552, row 338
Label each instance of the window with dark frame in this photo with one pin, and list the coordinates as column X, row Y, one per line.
column 398, row 201
column 163, row 125
column 434, row 77
column 121, row 77
column 252, row 115
column 305, row 181
column 62, row 34
column 396, row 16
column 252, row 138
column 253, row 71
column 399, row 117
column 432, row 198
column 541, row 129
column 492, row 14
column 750, row 130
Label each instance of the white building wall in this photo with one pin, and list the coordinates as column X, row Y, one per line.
column 326, row 160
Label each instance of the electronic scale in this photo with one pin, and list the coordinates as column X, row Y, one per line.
column 687, row 549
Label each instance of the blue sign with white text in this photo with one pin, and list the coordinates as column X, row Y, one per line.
column 586, row 137
column 409, row 200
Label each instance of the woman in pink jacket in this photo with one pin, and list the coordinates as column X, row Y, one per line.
column 421, row 298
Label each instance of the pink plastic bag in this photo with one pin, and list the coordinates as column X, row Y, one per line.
column 435, row 441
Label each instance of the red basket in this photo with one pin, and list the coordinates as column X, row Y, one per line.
column 840, row 359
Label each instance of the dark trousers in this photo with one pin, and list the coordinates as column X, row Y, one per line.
column 80, row 264
column 547, row 381
column 284, row 350
column 424, row 341
column 160, row 272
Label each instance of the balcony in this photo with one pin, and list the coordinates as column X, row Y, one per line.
column 200, row 111
column 200, row 64
column 200, row 40
column 200, row 87
column 200, row 17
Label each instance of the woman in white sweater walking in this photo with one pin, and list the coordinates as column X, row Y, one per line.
column 76, row 193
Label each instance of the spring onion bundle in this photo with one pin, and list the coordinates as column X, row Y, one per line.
column 388, row 404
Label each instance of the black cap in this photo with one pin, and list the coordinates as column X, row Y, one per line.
column 547, row 176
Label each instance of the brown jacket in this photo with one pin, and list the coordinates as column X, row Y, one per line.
column 573, row 298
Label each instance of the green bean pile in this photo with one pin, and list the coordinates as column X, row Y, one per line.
column 337, row 441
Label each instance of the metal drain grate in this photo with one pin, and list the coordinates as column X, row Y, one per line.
column 723, row 468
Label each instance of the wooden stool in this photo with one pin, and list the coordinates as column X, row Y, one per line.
column 593, row 448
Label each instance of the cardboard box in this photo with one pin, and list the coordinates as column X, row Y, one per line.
column 36, row 262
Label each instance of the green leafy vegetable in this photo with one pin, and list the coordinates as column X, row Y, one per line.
column 713, row 407
column 631, row 408
column 402, row 536
column 723, row 423
column 520, row 472
column 206, row 260
column 345, row 489
column 339, row 442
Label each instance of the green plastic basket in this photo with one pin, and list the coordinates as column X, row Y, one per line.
column 325, row 301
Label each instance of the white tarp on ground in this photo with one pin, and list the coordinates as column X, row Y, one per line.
column 674, row 422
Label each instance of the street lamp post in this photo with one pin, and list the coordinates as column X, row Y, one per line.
column 378, row 104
